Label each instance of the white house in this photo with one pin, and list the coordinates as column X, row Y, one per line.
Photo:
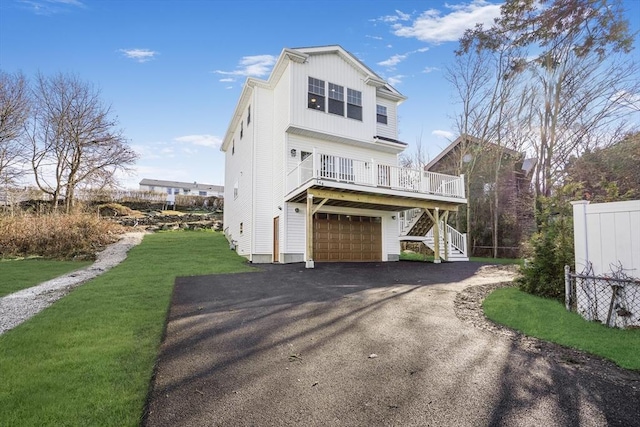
column 183, row 188
column 311, row 169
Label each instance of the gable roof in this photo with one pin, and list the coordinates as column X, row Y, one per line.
column 527, row 166
column 300, row 55
column 457, row 142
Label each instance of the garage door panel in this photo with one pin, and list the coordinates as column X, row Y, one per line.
column 347, row 238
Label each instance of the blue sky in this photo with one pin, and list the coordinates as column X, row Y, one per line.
column 173, row 70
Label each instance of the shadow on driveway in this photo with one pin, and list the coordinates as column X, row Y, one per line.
column 357, row 345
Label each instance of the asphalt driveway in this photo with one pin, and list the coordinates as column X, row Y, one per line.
column 373, row 344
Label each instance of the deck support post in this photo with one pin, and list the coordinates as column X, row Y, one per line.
column 309, row 260
column 436, row 236
column 445, row 219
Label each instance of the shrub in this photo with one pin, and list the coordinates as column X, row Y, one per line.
column 56, row 236
column 551, row 248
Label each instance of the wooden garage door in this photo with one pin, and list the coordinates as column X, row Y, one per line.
column 346, row 238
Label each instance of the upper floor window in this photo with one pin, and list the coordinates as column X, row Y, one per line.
column 235, row 190
column 248, row 115
column 241, row 129
column 233, row 147
column 354, row 104
column 316, row 97
column 336, row 99
column 202, row 193
column 381, row 114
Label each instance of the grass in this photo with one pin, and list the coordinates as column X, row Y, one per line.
column 548, row 320
column 88, row 359
column 24, row 273
column 414, row 256
column 497, row 260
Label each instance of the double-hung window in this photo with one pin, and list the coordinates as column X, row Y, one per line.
column 336, row 99
column 381, row 114
column 354, row 104
column 316, row 96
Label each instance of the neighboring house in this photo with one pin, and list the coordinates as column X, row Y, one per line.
column 311, row 171
column 182, row 188
column 478, row 161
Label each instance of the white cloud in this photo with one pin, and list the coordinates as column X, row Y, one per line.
column 49, row 7
column 443, row 134
column 227, row 79
column 374, row 37
column 140, row 55
column 395, row 80
column 428, row 70
column 252, row 66
column 399, row 16
column 434, row 27
column 202, row 140
column 398, row 58
column 393, row 61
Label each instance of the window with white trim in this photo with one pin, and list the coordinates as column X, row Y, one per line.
column 316, row 96
column 354, row 104
column 381, row 114
column 235, row 190
column 336, row 99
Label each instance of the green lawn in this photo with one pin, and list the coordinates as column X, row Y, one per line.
column 24, row 273
column 549, row 320
column 88, row 359
column 413, row 256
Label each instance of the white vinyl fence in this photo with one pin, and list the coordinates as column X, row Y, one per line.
column 606, row 284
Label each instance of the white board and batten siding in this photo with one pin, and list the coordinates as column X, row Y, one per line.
column 607, row 235
column 237, row 209
column 332, row 69
column 263, row 163
column 388, row 130
column 281, row 111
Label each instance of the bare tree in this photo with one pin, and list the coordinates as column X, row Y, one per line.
column 416, row 158
column 485, row 88
column 579, row 76
column 74, row 139
column 15, row 106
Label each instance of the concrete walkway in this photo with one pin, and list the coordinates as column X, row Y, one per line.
column 362, row 345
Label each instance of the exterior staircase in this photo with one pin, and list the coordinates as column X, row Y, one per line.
column 416, row 225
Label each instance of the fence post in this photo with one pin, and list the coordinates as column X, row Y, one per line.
column 567, row 288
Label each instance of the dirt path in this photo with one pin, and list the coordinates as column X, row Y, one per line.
column 20, row 306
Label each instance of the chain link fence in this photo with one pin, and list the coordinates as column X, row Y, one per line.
column 612, row 300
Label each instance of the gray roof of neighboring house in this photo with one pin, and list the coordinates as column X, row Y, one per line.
column 197, row 186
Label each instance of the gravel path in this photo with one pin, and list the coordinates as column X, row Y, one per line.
column 20, row 306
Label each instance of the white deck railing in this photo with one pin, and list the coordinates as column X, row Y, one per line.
column 456, row 239
column 370, row 173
